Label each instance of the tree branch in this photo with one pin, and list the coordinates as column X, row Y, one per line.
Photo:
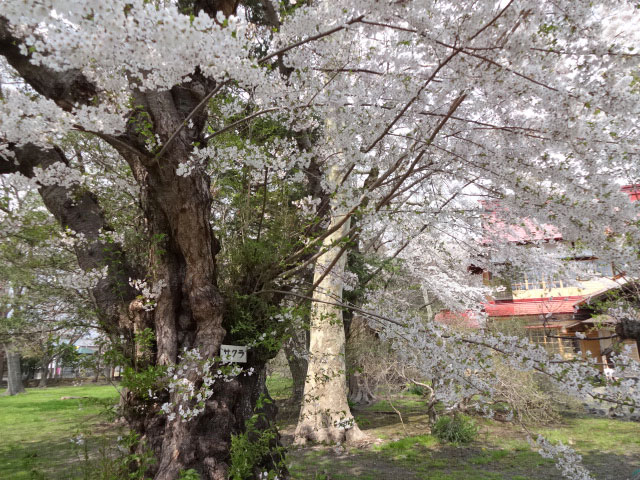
column 66, row 88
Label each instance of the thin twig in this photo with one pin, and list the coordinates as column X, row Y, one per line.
column 410, row 102
column 454, row 106
column 442, row 64
column 310, row 39
column 404, row 429
column 292, row 271
column 238, row 122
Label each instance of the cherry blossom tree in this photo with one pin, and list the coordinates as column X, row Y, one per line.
column 535, row 104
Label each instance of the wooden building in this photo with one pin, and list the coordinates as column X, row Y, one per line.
column 555, row 311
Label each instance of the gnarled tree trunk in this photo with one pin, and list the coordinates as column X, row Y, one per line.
column 190, row 310
column 629, row 328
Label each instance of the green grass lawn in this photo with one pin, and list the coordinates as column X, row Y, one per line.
column 36, row 430
column 279, row 387
column 610, row 449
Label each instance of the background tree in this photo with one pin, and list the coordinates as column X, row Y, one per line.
column 37, row 298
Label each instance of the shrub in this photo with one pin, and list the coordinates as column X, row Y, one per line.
column 190, row 474
column 528, row 395
column 414, row 389
column 256, row 446
column 457, row 429
column 129, row 458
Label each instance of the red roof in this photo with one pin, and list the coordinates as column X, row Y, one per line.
column 526, row 231
column 537, row 306
column 511, row 308
column 633, row 191
column 468, row 318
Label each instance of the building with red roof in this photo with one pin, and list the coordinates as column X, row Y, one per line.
column 550, row 309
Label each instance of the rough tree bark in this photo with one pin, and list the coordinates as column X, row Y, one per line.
column 325, row 415
column 295, row 350
column 359, row 338
column 189, row 312
column 629, row 328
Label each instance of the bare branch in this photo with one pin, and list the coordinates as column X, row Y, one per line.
column 454, row 106
column 404, row 109
column 310, row 39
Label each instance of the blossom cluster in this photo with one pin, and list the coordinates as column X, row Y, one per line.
column 188, row 400
column 567, row 460
column 149, row 293
column 84, row 279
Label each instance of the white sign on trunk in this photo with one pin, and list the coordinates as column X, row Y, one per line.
column 233, row 353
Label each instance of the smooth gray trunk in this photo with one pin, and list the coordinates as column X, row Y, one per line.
column 1, row 366
column 44, row 373
column 14, row 373
column 325, row 416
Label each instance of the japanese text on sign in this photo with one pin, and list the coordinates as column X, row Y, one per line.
column 233, row 353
